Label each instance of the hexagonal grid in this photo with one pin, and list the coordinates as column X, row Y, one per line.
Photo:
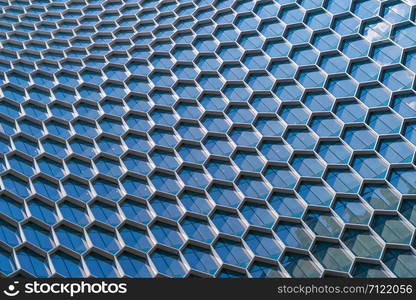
column 208, row 138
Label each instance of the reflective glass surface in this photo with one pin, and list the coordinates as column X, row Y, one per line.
column 208, row 138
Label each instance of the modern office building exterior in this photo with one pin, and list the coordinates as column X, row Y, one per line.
column 207, row 138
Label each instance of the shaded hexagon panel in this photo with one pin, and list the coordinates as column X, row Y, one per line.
column 209, row 138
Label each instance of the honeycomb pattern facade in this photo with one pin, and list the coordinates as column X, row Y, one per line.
column 227, row 138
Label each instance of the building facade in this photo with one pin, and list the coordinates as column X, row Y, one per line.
column 226, row 138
